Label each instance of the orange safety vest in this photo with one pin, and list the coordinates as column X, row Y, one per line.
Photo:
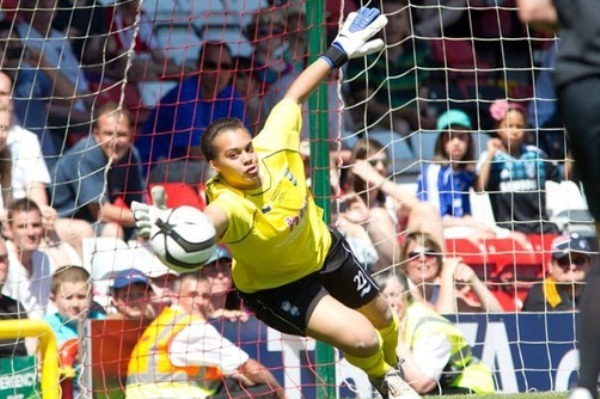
column 150, row 363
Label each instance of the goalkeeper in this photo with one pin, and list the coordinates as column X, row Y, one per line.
column 296, row 274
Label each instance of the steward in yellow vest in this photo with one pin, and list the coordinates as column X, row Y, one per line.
column 180, row 355
column 437, row 357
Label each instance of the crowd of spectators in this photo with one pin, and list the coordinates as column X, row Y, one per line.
column 73, row 155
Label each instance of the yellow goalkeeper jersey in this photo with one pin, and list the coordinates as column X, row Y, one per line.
column 276, row 233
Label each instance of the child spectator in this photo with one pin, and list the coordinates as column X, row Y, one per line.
column 437, row 357
column 446, row 181
column 441, row 282
column 569, row 267
column 514, row 173
column 71, row 293
column 131, row 296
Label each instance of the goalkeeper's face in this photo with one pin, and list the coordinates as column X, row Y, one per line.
column 235, row 159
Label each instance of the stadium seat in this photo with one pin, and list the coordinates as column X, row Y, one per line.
column 161, row 10
column 481, row 208
column 232, row 35
column 508, row 253
column 471, row 253
column 102, row 257
column 152, row 91
column 423, row 144
column 180, row 41
column 180, row 194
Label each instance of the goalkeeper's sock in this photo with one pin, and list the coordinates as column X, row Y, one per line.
column 389, row 335
column 374, row 366
column 589, row 331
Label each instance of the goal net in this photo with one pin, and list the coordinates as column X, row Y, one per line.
column 101, row 100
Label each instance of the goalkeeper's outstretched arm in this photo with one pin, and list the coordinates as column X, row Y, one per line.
column 355, row 39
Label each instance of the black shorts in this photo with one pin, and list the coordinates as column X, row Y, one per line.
column 288, row 308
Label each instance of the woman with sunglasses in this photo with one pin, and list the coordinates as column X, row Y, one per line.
column 448, row 285
column 385, row 208
column 569, row 267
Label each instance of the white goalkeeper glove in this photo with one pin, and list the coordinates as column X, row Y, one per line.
column 145, row 215
column 353, row 40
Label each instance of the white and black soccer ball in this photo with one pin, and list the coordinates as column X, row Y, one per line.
column 183, row 238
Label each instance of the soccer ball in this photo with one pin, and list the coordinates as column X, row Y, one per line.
column 183, row 238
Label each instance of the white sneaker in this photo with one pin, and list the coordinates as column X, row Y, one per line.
column 393, row 386
column 580, row 393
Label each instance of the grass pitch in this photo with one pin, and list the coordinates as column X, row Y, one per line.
column 528, row 395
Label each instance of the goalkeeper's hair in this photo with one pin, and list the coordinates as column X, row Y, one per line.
column 213, row 130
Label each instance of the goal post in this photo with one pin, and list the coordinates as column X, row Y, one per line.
column 47, row 349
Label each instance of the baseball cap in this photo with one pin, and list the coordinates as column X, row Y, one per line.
column 453, row 117
column 221, row 252
column 568, row 243
column 128, row 277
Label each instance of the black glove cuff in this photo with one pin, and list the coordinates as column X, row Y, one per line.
column 335, row 56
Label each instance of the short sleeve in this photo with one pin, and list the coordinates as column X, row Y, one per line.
column 432, row 353
column 282, row 128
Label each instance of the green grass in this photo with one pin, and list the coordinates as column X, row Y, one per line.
column 529, row 395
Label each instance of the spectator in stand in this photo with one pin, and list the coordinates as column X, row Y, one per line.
column 543, row 113
column 173, row 129
column 224, row 301
column 127, row 22
column 247, row 83
column 395, row 81
column 446, row 181
column 9, row 310
column 181, row 355
column 561, row 290
column 275, row 72
column 29, row 177
column 382, row 206
column 40, row 91
column 71, row 293
column 447, row 285
column 514, row 174
column 161, row 281
column 30, row 272
column 131, row 293
column 5, row 156
column 83, row 22
column 438, row 360
column 38, row 37
column 98, row 178
column 294, row 14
